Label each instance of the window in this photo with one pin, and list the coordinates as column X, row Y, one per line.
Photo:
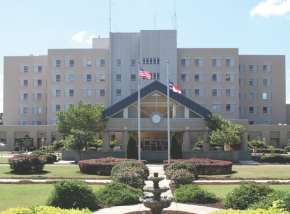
column 154, row 61
column 251, row 82
column 102, row 92
column 133, row 91
column 37, row 110
column 22, row 122
column 57, row 108
column 102, row 77
column 71, row 92
column 198, row 62
column 264, row 96
column 253, row 122
column 199, row 92
column 102, row 63
column 267, row 68
column 214, row 92
column 71, row 78
column 25, row 69
column 39, row 82
column 183, row 77
column 242, row 82
column 147, row 61
column 186, row 77
column 57, row 78
column 157, row 61
column 89, row 62
column 25, row 83
column 196, row 77
column 186, row 92
column 119, row 62
column 36, row 123
column 133, row 62
column 241, row 68
column 118, row 77
column 253, row 109
column 151, row 61
column 86, row 77
column 216, row 107
column 118, row 92
column 23, row 96
column 71, row 63
column 231, row 107
column 267, row 122
column 39, row 69
column 86, row 93
column 158, row 76
column 265, row 81
column 242, row 110
column 230, row 62
column 253, row 68
column 23, row 110
column 267, row 95
column 228, row 92
column 57, row 93
column 133, row 77
column 217, row 92
column 89, row 77
column 38, row 96
column 144, row 60
column 228, row 77
column 242, row 95
column 228, row 107
column 199, row 77
column 214, row 77
column 217, row 62
column 265, row 110
column 185, row 62
column 57, row 63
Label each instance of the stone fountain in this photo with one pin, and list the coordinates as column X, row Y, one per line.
column 156, row 203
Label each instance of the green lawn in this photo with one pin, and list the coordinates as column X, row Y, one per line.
column 26, row 195
column 54, row 171
column 260, row 171
column 3, row 160
column 222, row 190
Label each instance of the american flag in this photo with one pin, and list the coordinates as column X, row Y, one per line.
column 145, row 74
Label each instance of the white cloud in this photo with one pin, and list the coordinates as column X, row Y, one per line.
column 271, row 8
column 288, row 18
column 80, row 37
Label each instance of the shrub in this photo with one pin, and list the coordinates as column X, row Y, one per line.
column 241, row 197
column 96, row 143
column 260, row 211
column 274, row 158
column 257, row 144
column 72, row 194
column 196, row 149
column 24, row 149
column 26, row 164
column 193, row 193
column 92, row 148
column 112, row 144
column 58, row 145
column 181, row 177
column 131, row 149
column 179, row 150
column 287, row 148
column 174, row 148
column 118, row 194
column 267, row 202
column 116, row 149
column 180, row 165
column 38, row 152
column 130, row 175
column 133, row 164
column 102, row 166
column 44, row 210
column 100, row 149
column 199, row 144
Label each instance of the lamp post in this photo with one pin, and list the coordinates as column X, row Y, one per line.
column 42, row 139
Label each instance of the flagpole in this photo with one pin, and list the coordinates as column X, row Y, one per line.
column 168, row 113
column 139, row 131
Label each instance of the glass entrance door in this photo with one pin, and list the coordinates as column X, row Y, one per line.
column 154, row 144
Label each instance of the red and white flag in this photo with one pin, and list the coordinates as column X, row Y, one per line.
column 145, row 74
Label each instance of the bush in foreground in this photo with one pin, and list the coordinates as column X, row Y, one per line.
column 130, row 175
column 131, row 149
column 274, row 158
column 133, row 164
column 181, row 177
column 26, row 164
column 72, row 194
column 44, row 210
column 118, row 194
column 193, row 193
column 245, row 195
column 180, row 165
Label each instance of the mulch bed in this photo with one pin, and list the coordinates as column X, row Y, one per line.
column 217, row 204
column 163, row 212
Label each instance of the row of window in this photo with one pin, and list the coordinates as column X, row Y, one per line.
column 24, row 96
column 69, row 63
column 216, row 77
column 69, row 77
column 254, row 95
column 71, row 93
column 24, row 122
column 23, row 82
column 255, row 110
column 253, row 81
column 35, row 110
column 150, row 61
column 36, row 68
column 199, row 62
column 254, row 68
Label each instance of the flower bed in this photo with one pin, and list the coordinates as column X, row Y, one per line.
column 102, row 166
column 205, row 166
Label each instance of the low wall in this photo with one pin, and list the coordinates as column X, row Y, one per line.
column 236, row 155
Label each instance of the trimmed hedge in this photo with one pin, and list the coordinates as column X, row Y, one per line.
column 26, row 164
column 45, row 210
column 204, row 166
column 134, row 176
column 259, row 211
column 274, row 158
column 102, row 166
column 131, row 163
column 181, row 165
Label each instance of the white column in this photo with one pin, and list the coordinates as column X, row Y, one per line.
column 106, row 141
column 244, row 145
column 125, row 136
column 10, row 140
column 186, row 112
column 206, row 144
column 125, row 113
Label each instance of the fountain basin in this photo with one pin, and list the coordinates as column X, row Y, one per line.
column 149, row 202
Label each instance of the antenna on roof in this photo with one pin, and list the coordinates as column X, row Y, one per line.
column 154, row 21
column 110, row 3
column 174, row 19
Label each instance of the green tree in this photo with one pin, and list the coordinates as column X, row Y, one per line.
column 58, row 145
column 78, row 139
column 85, row 118
column 174, row 148
column 131, row 149
column 180, row 150
column 224, row 131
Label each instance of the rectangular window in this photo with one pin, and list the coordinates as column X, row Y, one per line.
column 86, row 93
column 266, row 68
column 57, row 93
column 25, row 82
column 57, row 108
column 89, row 77
column 71, row 63
column 265, row 82
column 185, row 62
column 267, row 122
column 216, row 107
column 228, row 77
column 264, row 96
column 102, row 92
column 251, row 82
column 38, row 96
column 57, row 78
column 154, row 61
column 196, row 93
column 214, row 92
column 133, row 77
column 186, row 92
column 230, row 62
column 25, row 96
column 158, row 76
column 265, row 110
column 151, row 61
column 102, row 77
column 214, row 77
column 39, row 82
column 39, row 69
column 118, row 62
column 228, row 92
column 147, row 61
column 89, row 62
column 133, row 62
column 227, row 62
column 102, row 63
column 144, row 61
column 118, row 77
column 118, row 92
column 25, row 69
column 253, row 68
column 157, row 61
column 251, row 110
column 57, row 63
column 228, row 107
column 71, row 92
column 71, row 78
column 196, row 77
column 183, row 77
column 37, row 110
column 198, row 62
column 216, row 62
column 253, row 122
column 241, row 68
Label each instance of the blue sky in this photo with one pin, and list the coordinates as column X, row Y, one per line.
column 254, row 26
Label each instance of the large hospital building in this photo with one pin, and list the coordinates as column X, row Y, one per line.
column 248, row 89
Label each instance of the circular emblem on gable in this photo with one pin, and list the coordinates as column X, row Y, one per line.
column 156, row 118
